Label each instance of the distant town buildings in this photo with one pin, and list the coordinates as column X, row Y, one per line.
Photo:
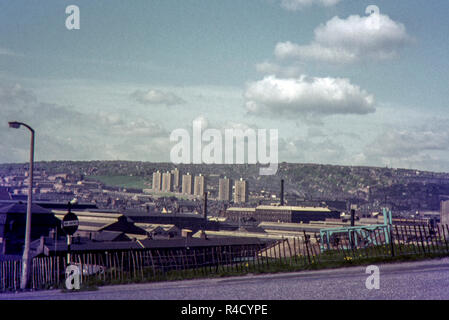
column 200, row 185
column 224, row 189
column 241, row 191
column 187, row 184
column 157, row 181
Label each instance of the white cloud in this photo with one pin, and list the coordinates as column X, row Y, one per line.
column 154, row 96
column 7, row 52
column 300, row 4
column 350, row 40
column 63, row 133
column 314, row 51
column 422, row 147
column 274, row 68
column 304, row 96
column 401, row 144
column 305, row 150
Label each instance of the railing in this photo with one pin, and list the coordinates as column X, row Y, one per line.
column 109, row 267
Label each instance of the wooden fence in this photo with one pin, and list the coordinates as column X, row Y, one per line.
column 154, row 265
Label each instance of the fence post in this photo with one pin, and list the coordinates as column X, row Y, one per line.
column 432, row 238
column 410, row 232
column 152, row 263
column 445, row 239
column 421, row 238
column 440, row 240
column 391, row 240
column 290, row 251
column 398, row 238
column 306, row 241
column 285, row 254
column 426, row 236
column 445, row 232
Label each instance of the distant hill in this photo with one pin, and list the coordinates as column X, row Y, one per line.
column 403, row 189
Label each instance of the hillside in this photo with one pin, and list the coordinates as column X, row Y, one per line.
column 404, row 189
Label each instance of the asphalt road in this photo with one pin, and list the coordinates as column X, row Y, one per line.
column 414, row 280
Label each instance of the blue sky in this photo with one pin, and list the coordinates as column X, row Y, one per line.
column 337, row 91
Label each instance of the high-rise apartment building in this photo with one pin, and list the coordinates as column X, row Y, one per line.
column 224, row 189
column 199, row 185
column 167, row 182
column 175, row 178
column 241, row 191
column 187, row 184
column 157, row 180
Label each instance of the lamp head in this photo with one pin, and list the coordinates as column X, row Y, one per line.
column 14, row 124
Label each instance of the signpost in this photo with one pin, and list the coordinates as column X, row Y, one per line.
column 70, row 225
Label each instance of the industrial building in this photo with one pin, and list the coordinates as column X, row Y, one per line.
column 13, row 221
column 282, row 214
column 96, row 224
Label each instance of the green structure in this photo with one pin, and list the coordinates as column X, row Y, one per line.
column 357, row 236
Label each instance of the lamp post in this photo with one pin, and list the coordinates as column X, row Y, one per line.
column 26, row 251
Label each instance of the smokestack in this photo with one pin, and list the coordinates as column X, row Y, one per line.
column 353, row 208
column 282, row 192
column 203, row 232
column 205, row 206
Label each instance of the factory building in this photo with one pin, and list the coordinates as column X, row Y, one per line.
column 289, row 214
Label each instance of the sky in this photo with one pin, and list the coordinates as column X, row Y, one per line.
column 342, row 84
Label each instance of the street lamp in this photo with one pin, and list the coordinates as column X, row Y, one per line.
column 26, row 251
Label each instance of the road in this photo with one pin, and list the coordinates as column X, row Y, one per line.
column 411, row 280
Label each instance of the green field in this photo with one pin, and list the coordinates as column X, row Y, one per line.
column 122, row 181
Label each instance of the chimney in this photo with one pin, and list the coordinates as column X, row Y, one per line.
column 282, row 192
column 353, row 208
column 205, row 207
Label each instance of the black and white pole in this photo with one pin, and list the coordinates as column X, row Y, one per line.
column 70, row 225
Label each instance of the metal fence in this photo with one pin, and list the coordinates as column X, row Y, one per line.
column 293, row 253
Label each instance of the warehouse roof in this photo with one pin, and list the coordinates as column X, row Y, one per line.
column 20, row 207
column 293, row 208
column 145, row 244
column 241, row 209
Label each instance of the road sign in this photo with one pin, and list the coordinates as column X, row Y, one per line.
column 70, row 223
